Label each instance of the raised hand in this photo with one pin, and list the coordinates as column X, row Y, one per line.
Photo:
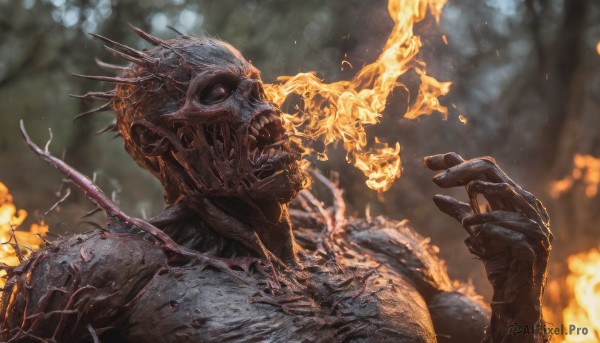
column 511, row 236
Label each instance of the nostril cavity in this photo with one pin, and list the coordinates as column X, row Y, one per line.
column 256, row 92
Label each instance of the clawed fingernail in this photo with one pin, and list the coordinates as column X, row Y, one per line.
column 438, row 176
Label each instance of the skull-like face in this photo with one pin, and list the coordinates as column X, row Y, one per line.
column 201, row 122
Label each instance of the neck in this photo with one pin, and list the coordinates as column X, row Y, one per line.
column 273, row 226
column 257, row 225
column 269, row 222
column 264, row 229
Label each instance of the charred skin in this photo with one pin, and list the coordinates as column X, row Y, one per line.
column 512, row 238
column 120, row 286
column 211, row 131
column 194, row 114
column 192, row 111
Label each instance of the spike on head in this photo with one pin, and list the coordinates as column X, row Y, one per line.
column 126, row 49
column 108, row 95
column 176, row 31
column 110, row 66
column 192, row 111
column 103, row 108
column 112, row 127
column 139, row 61
column 122, row 80
column 147, row 37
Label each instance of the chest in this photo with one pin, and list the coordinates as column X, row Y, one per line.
column 319, row 303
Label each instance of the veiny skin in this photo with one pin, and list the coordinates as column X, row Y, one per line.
column 276, row 265
column 125, row 287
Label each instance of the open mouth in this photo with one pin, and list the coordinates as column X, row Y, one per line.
column 218, row 138
column 270, row 157
column 268, row 149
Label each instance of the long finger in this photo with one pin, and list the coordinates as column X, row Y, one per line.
column 454, row 208
column 503, row 196
column 483, row 168
column 513, row 221
column 492, row 193
column 442, row 161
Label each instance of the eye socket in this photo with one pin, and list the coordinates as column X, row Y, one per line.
column 215, row 94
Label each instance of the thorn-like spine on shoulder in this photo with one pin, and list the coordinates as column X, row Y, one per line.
column 101, row 200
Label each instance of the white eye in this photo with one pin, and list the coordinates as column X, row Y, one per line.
column 215, row 94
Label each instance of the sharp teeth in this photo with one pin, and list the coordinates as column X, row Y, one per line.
column 254, row 131
column 271, row 152
column 252, row 139
column 272, row 117
column 256, row 125
column 263, row 120
column 262, row 158
column 278, row 143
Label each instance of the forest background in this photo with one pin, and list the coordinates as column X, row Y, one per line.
column 525, row 73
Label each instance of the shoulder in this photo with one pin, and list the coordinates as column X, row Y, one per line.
column 397, row 245
column 97, row 257
column 79, row 280
column 457, row 313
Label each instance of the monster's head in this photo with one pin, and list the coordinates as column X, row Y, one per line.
column 193, row 112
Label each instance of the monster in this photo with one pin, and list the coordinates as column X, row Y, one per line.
column 244, row 252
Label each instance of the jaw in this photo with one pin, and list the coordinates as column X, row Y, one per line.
column 254, row 162
column 252, row 183
column 274, row 164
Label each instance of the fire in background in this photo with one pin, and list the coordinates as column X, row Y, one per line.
column 583, row 281
column 575, row 299
column 341, row 111
column 578, row 294
column 16, row 244
column 586, row 168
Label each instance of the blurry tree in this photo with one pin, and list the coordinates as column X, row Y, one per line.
column 525, row 74
column 43, row 41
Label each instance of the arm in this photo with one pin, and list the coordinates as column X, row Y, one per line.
column 512, row 239
column 456, row 313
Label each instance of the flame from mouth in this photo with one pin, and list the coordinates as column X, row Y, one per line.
column 341, row 110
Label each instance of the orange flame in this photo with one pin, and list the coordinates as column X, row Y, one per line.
column 584, row 306
column 26, row 241
column 341, row 110
column 585, row 168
